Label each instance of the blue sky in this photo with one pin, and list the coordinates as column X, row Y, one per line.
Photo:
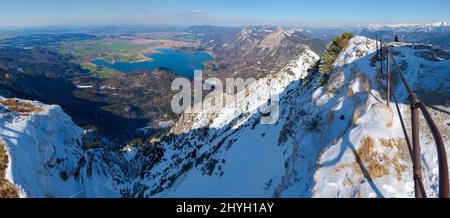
column 223, row 12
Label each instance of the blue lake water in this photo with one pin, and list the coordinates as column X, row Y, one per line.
column 183, row 63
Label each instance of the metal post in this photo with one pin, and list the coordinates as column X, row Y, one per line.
column 376, row 41
column 417, row 168
column 381, row 57
column 388, row 93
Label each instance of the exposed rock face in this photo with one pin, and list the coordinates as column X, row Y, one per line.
column 258, row 51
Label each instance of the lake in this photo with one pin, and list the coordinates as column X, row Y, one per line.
column 183, row 63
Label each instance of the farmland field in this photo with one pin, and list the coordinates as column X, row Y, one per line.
column 115, row 50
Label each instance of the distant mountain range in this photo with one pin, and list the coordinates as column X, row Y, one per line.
column 437, row 34
column 412, row 27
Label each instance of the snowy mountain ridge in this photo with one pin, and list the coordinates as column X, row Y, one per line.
column 337, row 139
column 441, row 24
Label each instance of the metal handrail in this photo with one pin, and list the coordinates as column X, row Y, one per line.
column 415, row 105
column 442, row 156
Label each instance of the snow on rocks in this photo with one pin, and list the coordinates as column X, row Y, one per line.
column 45, row 153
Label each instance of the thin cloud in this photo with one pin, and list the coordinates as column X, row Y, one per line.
column 198, row 12
column 195, row 12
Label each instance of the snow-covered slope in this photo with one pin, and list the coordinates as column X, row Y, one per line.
column 369, row 157
column 45, row 153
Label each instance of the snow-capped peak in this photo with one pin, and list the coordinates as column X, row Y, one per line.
column 440, row 24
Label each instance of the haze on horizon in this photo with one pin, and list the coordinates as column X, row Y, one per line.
column 226, row 13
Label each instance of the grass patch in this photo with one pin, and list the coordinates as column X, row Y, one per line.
column 401, row 154
column 100, row 71
column 20, row 106
column 370, row 158
column 7, row 190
